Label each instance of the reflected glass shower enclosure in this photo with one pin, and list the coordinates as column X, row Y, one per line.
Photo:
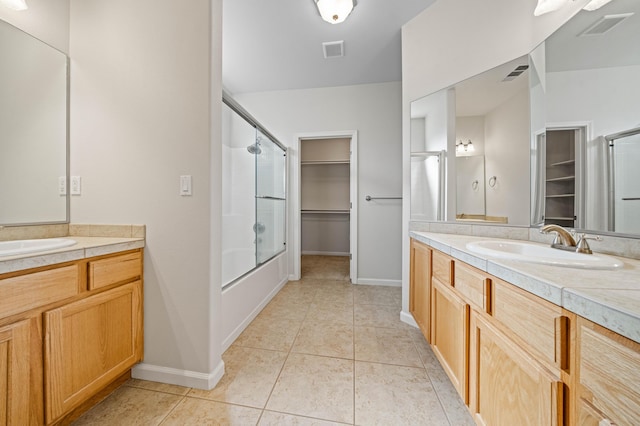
column 253, row 194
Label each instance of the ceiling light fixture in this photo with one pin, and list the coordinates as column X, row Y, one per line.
column 546, row 6
column 15, row 4
column 595, row 4
column 335, row 11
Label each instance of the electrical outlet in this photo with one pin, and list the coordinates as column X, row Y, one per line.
column 76, row 185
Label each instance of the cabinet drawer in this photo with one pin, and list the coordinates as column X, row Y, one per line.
column 112, row 270
column 609, row 373
column 441, row 267
column 539, row 324
column 473, row 285
column 25, row 292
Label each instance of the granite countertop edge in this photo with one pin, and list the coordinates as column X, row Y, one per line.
column 85, row 247
column 577, row 290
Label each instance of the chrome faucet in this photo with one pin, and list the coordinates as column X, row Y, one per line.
column 564, row 240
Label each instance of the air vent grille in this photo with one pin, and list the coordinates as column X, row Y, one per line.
column 605, row 24
column 333, row 49
column 516, row 72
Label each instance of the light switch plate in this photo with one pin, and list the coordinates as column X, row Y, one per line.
column 185, row 185
column 62, row 185
column 76, row 185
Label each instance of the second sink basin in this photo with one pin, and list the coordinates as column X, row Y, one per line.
column 535, row 253
column 12, row 248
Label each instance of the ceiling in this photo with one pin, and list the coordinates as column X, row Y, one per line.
column 567, row 51
column 277, row 44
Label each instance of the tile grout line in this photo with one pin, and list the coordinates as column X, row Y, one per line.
column 164, row 419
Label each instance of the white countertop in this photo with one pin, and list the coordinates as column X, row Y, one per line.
column 609, row 298
column 85, row 247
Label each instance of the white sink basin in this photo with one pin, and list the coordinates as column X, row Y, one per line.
column 535, row 253
column 12, row 248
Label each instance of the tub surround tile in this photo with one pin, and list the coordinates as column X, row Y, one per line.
column 314, row 386
column 608, row 298
column 389, row 394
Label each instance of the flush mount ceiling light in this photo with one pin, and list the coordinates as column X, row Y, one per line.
column 546, row 6
column 335, row 11
column 14, row 4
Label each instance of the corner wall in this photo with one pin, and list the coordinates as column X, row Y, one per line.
column 47, row 20
column 146, row 108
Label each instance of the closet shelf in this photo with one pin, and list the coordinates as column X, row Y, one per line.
column 560, row 179
column 324, row 211
column 563, row 163
column 319, row 163
column 561, row 196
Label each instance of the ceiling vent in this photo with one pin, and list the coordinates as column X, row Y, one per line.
column 333, row 49
column 604, row 24
column 516, row 72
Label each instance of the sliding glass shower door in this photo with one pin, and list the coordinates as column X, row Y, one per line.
column 254, row 195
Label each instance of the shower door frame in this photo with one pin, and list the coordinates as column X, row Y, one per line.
column 296, row 197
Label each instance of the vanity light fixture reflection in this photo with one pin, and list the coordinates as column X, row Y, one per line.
column 546, row 6
column 335, row 11
column 15, row 4
column 464, row 147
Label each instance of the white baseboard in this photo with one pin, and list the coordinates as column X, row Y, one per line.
column 373, row 281
column 325, row 253
column 240, row 328
column 174, row 376
column 407, row 318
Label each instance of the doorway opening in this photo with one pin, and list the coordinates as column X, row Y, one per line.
column 326, row 237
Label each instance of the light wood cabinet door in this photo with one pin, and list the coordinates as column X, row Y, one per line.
column 15, row 373
column 88, row 344
column 507, row 386
column 608, row 376
column 450, row 334
column 420, row 287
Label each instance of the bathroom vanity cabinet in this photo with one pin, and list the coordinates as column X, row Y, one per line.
column 66, row 332
column 516, row 358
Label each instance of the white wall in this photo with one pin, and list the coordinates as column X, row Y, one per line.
column 374, row 111
column 146, row 108
column 47, row 20
column 507, row 157
column 437, row 54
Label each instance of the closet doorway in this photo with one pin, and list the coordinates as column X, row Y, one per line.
column 326, row 206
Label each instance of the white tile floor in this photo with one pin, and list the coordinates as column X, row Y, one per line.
column 322, row 352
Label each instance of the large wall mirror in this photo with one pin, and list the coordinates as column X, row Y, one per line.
column 586, row 170
column 33, row 130
column 481, row 126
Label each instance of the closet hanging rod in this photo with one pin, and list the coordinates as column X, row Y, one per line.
column 369, row 198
